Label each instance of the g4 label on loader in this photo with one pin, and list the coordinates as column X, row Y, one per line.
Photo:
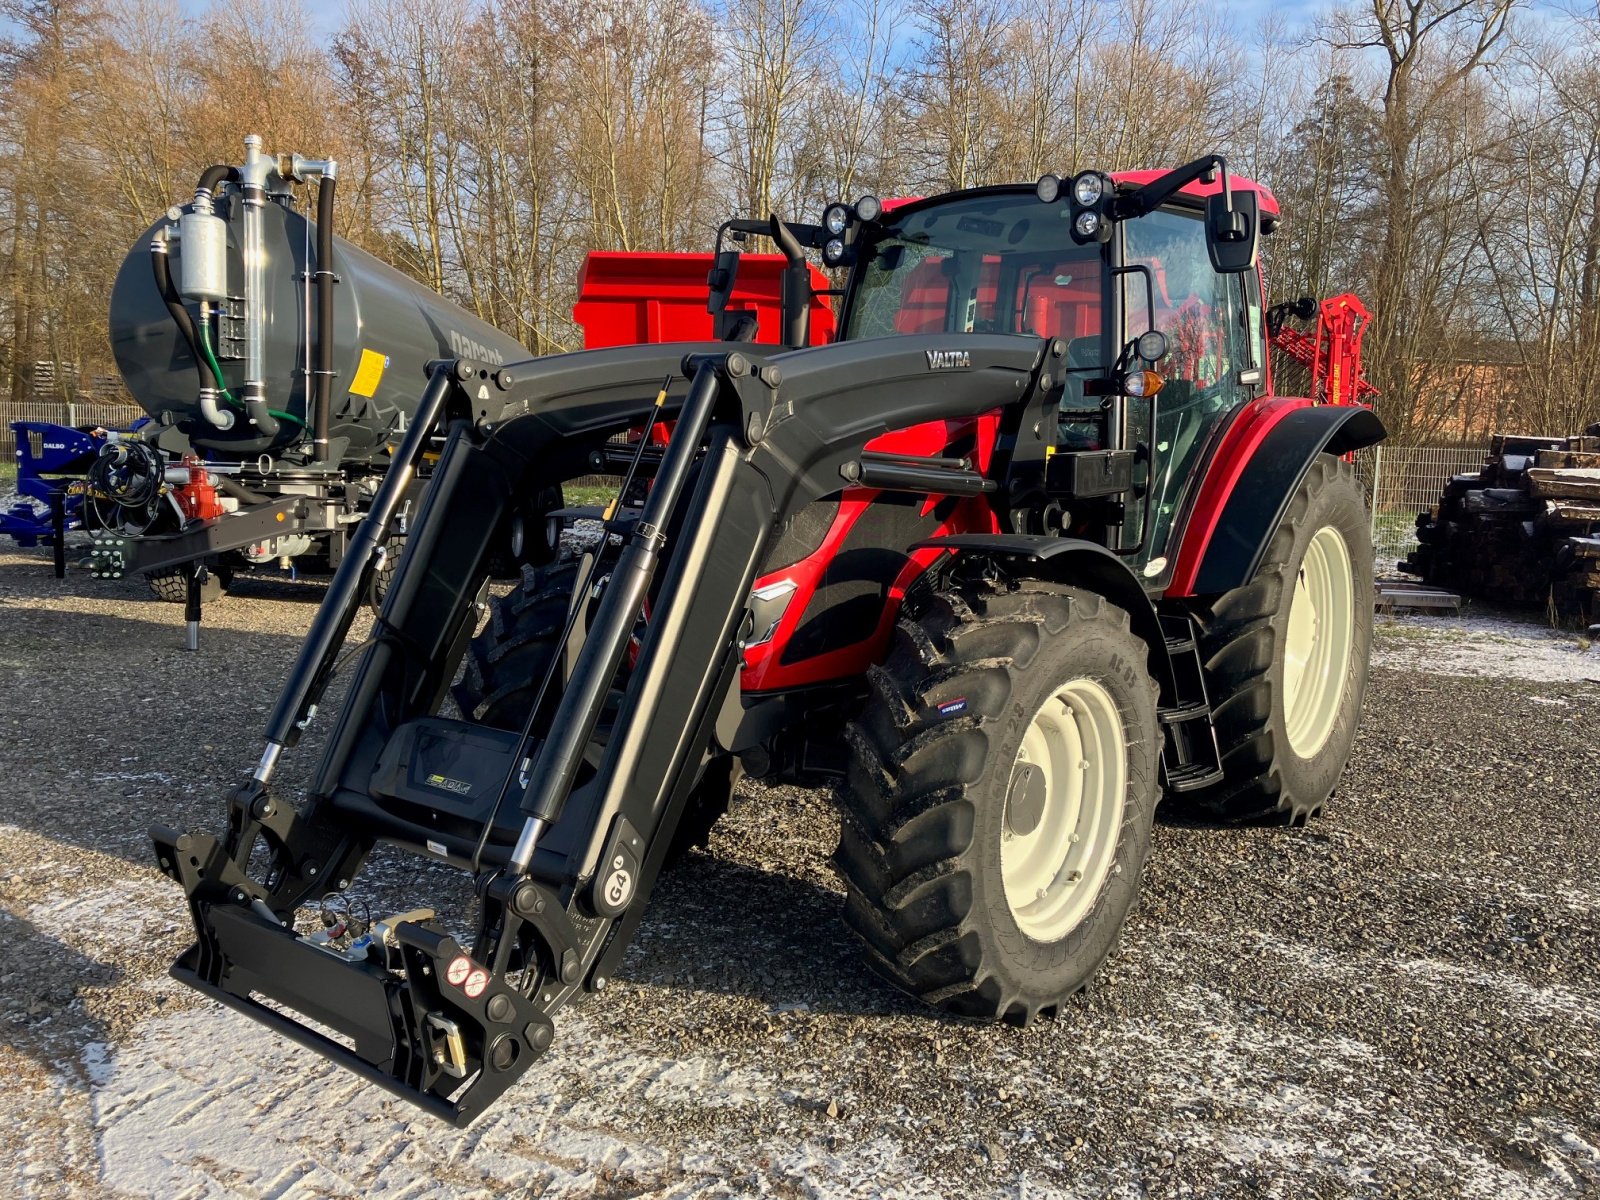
column 1028, row 545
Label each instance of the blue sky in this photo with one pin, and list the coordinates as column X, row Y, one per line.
column 327, row 16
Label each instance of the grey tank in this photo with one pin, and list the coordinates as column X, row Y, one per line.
column 386, row 329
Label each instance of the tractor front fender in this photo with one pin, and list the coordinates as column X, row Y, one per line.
column 1078, row 563
column 1251, row 479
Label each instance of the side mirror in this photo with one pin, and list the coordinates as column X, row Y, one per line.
column 1232, row 236
column 720, row 287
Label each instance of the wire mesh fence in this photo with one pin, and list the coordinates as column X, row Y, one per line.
column 111, row 414
column 1402, row 481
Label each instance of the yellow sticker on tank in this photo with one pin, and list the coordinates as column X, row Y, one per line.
column 369, row 373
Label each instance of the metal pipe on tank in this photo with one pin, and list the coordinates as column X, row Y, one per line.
column 253, row 180
column 160, row 254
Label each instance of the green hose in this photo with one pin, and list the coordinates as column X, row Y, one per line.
column 216, row 371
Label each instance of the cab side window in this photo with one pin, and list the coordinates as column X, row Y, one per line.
column 1204, row 316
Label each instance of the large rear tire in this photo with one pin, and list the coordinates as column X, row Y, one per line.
column 1286, row 656
column 1000, row 796
column 507, row 662
column 171, row 584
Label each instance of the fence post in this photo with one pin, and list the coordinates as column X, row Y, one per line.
column 1372, row 511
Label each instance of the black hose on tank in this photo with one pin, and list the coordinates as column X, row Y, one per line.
column 241, row 493
column 161, row 268
column 211, row 176
column 323, row 412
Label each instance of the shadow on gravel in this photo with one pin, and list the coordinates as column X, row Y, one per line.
column 721, row 926
column 120, row 727
column 41, row 1013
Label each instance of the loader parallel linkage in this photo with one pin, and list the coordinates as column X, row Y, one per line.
column 761, row 439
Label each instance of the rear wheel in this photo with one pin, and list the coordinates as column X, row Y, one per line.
column 1286, row 656
column 998, row 807
column 507, row 662
column 172, row 584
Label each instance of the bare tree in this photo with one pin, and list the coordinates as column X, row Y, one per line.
column 1430, row 53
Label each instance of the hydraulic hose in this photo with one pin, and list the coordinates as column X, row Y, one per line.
column 322, row 413
column 209, row 357
column 241, row 493
column 161, row 267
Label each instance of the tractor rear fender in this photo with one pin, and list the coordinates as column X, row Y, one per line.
column 1079, row 563
column 1260, row 462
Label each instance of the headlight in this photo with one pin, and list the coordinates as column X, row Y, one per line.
column 1089, row 188
column 1048, row 189
column 1087, row 224
column 833, row 251
column 868, row 208
column 835, row 219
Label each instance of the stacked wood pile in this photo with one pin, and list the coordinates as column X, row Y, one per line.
column 1523, row 531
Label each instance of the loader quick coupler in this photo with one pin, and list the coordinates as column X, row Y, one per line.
column 404, row 1005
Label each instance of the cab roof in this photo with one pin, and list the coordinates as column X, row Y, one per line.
column 1130, row 179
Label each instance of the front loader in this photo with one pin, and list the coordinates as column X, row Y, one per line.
column 1028, row 546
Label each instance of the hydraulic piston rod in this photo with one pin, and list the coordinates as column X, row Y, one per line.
column 338, row 609
column 556, row 768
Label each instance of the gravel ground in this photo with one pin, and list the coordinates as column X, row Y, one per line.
column 1403, row 998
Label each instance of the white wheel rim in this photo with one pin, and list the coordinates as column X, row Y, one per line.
column 1317, row 643
column 1054, row 870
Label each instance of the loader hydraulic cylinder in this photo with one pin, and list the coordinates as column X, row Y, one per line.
column 338, row 610
column 574, row 722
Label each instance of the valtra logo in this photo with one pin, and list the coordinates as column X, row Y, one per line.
column 949, row 360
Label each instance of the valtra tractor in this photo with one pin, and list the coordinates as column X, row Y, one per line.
column 1029, row 545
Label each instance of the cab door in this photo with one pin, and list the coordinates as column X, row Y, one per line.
column 1215, row 364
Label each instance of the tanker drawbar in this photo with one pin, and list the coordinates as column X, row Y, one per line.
column 279, row 363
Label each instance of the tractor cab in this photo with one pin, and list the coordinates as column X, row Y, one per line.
column 1148, row 279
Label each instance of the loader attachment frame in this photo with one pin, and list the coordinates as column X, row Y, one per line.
column 756, row 437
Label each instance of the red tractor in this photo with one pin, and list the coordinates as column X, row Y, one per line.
column 1027, row 546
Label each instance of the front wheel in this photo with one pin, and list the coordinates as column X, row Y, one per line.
column 508, row 662
column 1286, row 656
column 998, row 807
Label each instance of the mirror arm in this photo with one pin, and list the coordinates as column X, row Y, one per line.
column 1158, row 191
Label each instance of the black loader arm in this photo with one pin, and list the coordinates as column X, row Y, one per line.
column 567, row 865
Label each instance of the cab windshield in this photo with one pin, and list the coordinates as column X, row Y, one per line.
column 984, row 264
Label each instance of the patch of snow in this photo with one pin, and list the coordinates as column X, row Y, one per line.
column 110, row 922
column 207, row 1104
column 1484, row 646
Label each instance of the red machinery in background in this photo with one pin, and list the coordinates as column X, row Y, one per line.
column 626, row 298
column 1332, row 354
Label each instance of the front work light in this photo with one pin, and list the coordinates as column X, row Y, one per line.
column 868, row 208
column 1048, row 189
column 1091, row 207
column 1089, row 188
column 836, row 219
column 833, row 252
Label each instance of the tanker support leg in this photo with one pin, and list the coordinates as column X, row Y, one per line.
column 194, row 582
